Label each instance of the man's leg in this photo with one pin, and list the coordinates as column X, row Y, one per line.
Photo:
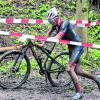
column 80, row 72
column 71, row 72
column 75, row 54
column 74, row 77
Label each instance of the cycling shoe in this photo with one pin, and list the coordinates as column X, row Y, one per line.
column 98, row 81
column 78, row 96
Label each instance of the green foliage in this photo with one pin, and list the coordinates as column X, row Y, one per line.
column 90, row 61
column 93, row 15
column 2, row 3
column 34, row 64
column 94, row 31
column 95, row 53
column 32, row 10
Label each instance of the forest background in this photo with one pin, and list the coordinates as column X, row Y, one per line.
column 36, row 9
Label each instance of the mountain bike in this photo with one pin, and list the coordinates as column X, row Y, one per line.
column 15, row 65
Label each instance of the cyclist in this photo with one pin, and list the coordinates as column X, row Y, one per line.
column 65, row 30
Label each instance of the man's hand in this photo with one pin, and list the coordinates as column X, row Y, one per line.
column 52, row 39
column 23, row 39
column 42, row 44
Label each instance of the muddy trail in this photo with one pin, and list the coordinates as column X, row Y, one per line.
column 37, row 89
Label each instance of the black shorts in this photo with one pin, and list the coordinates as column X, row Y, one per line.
column 75, row 53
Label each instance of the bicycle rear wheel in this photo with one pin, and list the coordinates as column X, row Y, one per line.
column 14, row 69
column 57, row 74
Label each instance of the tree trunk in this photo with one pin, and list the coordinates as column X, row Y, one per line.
column 82, row 14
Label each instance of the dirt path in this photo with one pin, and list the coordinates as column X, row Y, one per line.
column 37, row 89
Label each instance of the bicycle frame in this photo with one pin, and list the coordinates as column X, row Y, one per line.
column 31, row 46
column 42, row 67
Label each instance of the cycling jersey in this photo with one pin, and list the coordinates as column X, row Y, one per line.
column 69, row 34
column 67, row 28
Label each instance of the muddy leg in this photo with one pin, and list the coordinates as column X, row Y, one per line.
column 80, row 72
column 71, row 72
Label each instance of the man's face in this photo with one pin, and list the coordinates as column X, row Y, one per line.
column 53, row 21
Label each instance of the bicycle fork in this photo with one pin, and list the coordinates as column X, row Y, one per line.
column 18, row 60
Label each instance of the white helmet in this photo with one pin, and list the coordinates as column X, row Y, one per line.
column 52, row 13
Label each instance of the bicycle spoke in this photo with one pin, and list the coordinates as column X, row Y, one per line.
column 12, row 70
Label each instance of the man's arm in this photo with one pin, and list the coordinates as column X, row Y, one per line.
column 63, row 30
column 59, row 35
column 47, row 35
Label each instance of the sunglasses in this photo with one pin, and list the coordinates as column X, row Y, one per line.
column 50, row 21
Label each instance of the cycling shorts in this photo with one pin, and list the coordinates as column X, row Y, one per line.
column 75, row 53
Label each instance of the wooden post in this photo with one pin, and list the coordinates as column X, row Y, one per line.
column 4, row 49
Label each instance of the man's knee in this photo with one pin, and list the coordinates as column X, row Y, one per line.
column 78, row 70
column 71, row 67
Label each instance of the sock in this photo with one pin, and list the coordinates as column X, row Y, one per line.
column 78, row 87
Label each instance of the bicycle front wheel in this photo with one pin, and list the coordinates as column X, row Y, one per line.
column 14, row 69
column 57, row 73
